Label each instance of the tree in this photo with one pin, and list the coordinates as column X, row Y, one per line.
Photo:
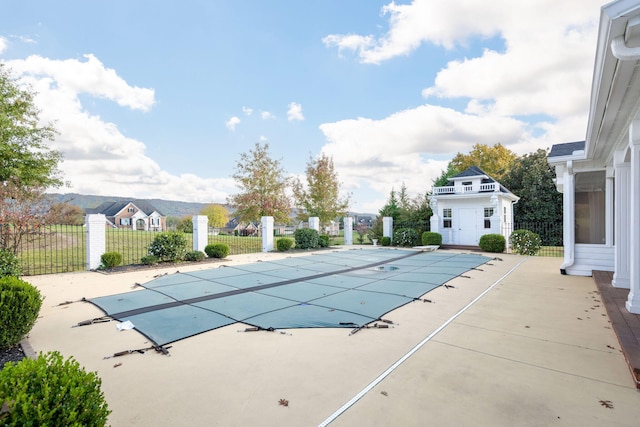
column 443, row 179
column 321, row 196
column 262, row 187
column 495, row 161
column 65, row 213
column 185, row 224
column 217, row 214
column 27, row 166
column 391, row 209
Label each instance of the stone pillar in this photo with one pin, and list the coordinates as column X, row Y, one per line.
column 96, row 239
column 348, row 230
column 633, row 301
column 621, row 220
column 200, row 232
column 314, row 223
column 387, row 227
column 267, row 233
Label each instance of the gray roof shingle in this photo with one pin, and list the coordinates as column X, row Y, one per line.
column 566, row 149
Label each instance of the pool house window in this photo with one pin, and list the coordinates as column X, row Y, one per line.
column 446, row 218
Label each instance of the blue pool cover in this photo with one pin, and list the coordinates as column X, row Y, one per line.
column 337, row 289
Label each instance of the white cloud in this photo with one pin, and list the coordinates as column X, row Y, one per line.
column 98, row 158
column 232, row 123
column 266, row 115
column 4, row 44
column 248, row 111
column 295, row 112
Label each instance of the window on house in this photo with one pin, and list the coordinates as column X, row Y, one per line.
column 488, row 213
column 446, row 218
column 124, row 221
column 131, row 210
column 590, row 207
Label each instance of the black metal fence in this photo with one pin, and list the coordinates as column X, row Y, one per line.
column 550, row 234
column 51, row 249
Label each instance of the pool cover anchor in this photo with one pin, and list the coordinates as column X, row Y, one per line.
column 157, row 348
column 103, row 319
column 385, row 325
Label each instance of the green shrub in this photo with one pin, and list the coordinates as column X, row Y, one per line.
column 306, row 238
column 9, row 264
column 169, row 246
column 385, row 241
column 493, row 243
column 525, row 242
column 194, row 256
column 217, row 250
column 149, row 260
column 111, row 259
column 283, row 244
column 430, row 238
column 323, row 240
column 406, row 237
column 50, row 391
column 20, row 304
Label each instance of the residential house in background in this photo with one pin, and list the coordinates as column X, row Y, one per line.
column 138, row 215
column 471, row 205
column 600, row 177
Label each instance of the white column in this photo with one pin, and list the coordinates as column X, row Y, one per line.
column 435, row 219
column 633, row 301
column 568, row 223
column 621, row 212
column 387, row 227
column 96, row 239
column 348, row 230
column 267, row 233
column 314, row 223
column 200, row 232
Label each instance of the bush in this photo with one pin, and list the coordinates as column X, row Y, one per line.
column 194, row 256
column 323, row 240
column 20, row 304
column 525, row 242
column 306, row 238
column 430, row 238
column 284, row 244
column 217, row 250
column 493, row 243
column 149, row 260
column 9, row 264
column 50, row 391
column 406, row 237
column 385, row 241
column 169, row 246
column 111, row 259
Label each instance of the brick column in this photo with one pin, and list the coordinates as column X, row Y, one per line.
column 96, row 239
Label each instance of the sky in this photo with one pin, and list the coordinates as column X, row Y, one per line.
column 158, row 99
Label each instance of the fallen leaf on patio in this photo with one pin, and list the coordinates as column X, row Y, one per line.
column 117, row 364
column 283, row 402
column 384, row 393
column 607, row 404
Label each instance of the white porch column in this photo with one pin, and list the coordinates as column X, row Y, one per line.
column 621, row 213
column 348, row 230
column 568, row 223
column 200, row 232
column 96, row 239
column 314, row 223
column 387, row 227
column 267, row 233
column 633, row 302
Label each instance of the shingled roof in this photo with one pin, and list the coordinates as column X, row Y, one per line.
column 566, row 149
column 112, row 208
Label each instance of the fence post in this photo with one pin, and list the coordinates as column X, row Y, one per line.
column 348, row 230
column 387, row 227
column 267, row 233
column 200, row 232
column 314, row 223
column 96, row 241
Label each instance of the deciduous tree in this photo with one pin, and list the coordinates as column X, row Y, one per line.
column 262, row 187
column 217, row 214
column 495, row 161
column 321, row 195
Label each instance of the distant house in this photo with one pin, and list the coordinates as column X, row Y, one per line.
column 471, row 205
column 137, row 215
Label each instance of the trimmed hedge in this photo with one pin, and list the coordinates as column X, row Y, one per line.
column 284, row 244
column 20, row 304
column 323, row 240
column 525, row 242
column 493, row 243
column 406, row 237
column 430, row 238
column 9, row 264
column 149, row 260
column 217, row 250
column 306, row 238
column 169, row 246
column 50, row 391
column 385, row 241
column 196, row 256
column 111, row 259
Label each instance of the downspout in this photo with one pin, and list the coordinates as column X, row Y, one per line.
column 568, row 225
